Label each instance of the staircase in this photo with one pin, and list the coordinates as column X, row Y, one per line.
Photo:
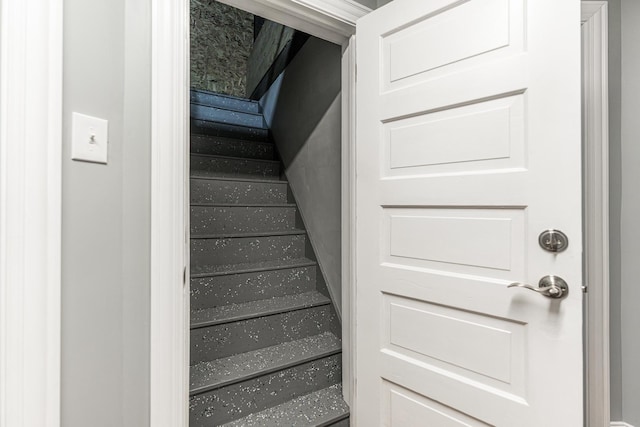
column 265, row 339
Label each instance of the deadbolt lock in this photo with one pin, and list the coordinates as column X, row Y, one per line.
column 553, row 240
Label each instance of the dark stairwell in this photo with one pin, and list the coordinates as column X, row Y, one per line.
column 265, row 339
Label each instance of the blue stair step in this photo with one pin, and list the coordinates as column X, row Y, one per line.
column 221, row 115
column 224, row 101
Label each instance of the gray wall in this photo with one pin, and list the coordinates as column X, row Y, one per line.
column 105, row 214
column 303, row 110
column 630, row 211
column 271, row 41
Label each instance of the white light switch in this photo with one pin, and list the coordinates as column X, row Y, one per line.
column 89, row 138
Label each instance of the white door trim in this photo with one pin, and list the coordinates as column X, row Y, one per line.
column 169, row 200
column 331, row 20
column 30, row 211
column 596, row 203
column 348, row 223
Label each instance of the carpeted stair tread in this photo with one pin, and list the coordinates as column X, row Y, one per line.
column 321, row 408
column 240, row 367
column 245, row 205
column 221, row 146
column 233, row 167
column 228, row 130
column 238, row 288
column 223, row 251
column 219, row 190
column 248, row 310
column 232, row 235
column 232, row 220
column 196, row 176
column 223, row 269
column 224, row 340
column 236, row 401
column 228, row 117
column 219, row 156
column 228, row 102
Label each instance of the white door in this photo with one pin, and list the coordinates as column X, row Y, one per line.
column 468, row 147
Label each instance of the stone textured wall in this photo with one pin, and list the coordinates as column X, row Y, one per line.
column 221, row 41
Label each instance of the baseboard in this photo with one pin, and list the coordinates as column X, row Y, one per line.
column 620, row 424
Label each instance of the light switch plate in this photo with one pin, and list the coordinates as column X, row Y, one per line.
column 89, row 138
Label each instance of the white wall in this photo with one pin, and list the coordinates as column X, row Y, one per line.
column 106, row 210
column 630, row 211
column 303, row 110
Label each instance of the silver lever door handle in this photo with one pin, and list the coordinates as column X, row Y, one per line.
column 550, row 286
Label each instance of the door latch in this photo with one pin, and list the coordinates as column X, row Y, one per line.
column 549, row 286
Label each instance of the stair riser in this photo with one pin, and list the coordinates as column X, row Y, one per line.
column 246, row 249
column 247, row 335
column 220, row 146
column 240, row 219
column 221, row 115
column 236, row 168
column 237, row 192
column 238, row 288
column 226, row 102
column 236, row 401
column 205, row 127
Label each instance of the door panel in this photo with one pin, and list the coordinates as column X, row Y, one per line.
column 408, row 409
column 468, row 146
column 438, row 143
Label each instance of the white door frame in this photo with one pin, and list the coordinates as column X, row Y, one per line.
column 332, row 20
column 595, row 126
column 30, row 211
